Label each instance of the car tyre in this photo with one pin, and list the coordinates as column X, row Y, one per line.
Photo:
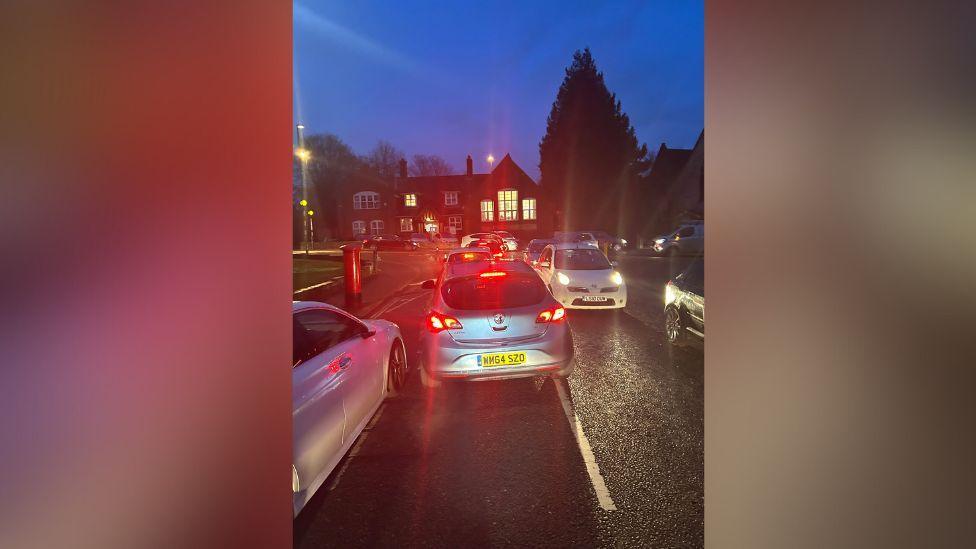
column 427, row 380
column 673, row 329
column 397, row 370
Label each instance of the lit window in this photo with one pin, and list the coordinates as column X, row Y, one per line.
column 487, row 210
column 406, row 225
column 366, row 200
column 409, row 200
column 376, row 227
column 528, row 209
column 358, row 228
column 450, row 198
column 508, row 205
column 454, row 222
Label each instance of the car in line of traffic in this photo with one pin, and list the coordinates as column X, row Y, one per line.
column 687, row 239
column 580, row 276
column 684, row 307
column 493, row 320
column 342, row 370
column 534, row 249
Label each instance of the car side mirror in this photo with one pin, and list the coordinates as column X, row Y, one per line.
column 428, row 284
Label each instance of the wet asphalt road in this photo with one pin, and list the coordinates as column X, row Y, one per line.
column 497, row 463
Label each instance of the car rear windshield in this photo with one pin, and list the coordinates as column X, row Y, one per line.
column 581, row 260
column 502, row 292
column 537, row 246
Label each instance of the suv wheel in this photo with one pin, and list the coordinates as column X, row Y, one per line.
column 672, row 327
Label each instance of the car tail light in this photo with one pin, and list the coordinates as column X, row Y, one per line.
column 437, row 322
column 493, row 274
column 551, row 315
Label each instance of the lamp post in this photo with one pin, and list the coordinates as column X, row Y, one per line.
column 491, row 161
column 303, row 154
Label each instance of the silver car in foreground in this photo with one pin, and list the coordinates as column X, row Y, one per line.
column 493, row 320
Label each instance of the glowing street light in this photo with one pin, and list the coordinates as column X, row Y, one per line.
column 304, row 203
column 302, row 153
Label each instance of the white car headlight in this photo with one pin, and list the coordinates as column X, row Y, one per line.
column 563, row 279
column 669, row 294
column 623, row 241
column 659, row 241
column 616, row 278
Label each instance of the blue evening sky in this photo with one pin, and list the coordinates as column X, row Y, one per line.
column 458, row 78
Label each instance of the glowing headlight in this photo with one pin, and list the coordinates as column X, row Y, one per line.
column 669, row 294
column 659, row 241
column 563, row 279
column 295, row 484
column 616, row 278
column 623, row 241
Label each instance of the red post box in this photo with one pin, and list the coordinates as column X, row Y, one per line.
column 353, row 272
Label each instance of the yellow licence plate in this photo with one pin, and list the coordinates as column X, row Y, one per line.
column 489, row 360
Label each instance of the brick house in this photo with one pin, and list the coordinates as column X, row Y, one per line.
column 504, row 199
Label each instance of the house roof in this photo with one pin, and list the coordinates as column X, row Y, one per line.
column 506, row 174
column 669, row 162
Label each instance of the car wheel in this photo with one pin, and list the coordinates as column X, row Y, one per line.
column 397, row 371
column 427, row 380
column 672, row 327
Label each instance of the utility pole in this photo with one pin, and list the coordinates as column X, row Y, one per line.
column 303, row 156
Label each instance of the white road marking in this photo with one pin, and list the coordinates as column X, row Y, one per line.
column 355, row 447
column 312, row 287
column 592, row 468
column 396, row 304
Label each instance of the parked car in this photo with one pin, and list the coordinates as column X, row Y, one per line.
column 423, row 240
column 684, row 307
column 493, row 245
column 342, row 369
column 511, row 243
column 493, row 320
column 688, row 239
column 467, row 239
column 576, row 237
column 465, row 255
column 534, row 248
column 581, row 276
column 391, row 245
column 446, row 241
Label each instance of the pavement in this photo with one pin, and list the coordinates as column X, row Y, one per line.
column 613, row 456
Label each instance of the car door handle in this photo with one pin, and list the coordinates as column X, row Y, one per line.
column 344, row 362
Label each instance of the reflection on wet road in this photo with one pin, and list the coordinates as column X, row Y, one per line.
column 496, row 463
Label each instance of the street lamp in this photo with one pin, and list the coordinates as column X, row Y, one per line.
column 304, row 155
column 491, row 161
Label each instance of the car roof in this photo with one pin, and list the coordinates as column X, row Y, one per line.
column 475, row 267
column 467, row 250
column 297, row 306
column 572, row 246
column 543, row 240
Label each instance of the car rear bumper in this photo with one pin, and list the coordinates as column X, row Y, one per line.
column 443, row 358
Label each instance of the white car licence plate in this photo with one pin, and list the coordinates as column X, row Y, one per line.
column 594, row 298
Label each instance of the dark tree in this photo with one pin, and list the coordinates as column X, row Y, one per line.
column 429, row 164
column 384, row 160
column 590, row 157
column 332, row 165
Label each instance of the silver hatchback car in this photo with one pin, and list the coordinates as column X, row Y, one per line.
column 493, row 320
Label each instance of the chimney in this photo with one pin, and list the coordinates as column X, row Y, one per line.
column 470, row 165
column 403, row 168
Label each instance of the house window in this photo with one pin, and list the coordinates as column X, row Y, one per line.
column 508, row 205
column 487, row 210
column 406, row 225
column 376, row 227
column 528, row 209
column 358, row 228
column 409, row 200
column 454, row 222
column 450, row 198
column 366, row 200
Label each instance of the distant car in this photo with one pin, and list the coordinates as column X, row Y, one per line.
column 391, row 245
column 688, row 239
column 367, row 240
column 446, row 241
column 422, row 240
column 467, row 239
column 510, row 241
column 605, row 239
column 580, row 276
column 534, row 248
column 466, row 255
column 495, row 246
column 576, row 237
column 342, row 369
column 493, row 320
column 684, row 306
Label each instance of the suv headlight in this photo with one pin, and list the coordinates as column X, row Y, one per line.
column 659, row 241
column 563, row 279
column 670, row 294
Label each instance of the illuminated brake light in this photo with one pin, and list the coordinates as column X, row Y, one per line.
column 551, row 315
column 438, row 322
column 493, row 274
column 468, row 256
